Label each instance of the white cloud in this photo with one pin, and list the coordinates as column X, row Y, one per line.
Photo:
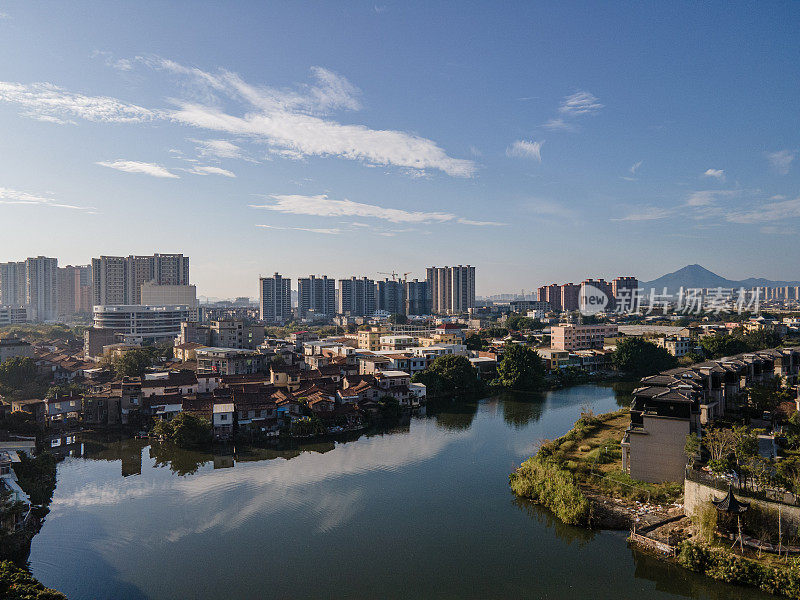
column 133, row 166
column 294, row 123
column 715, row 173
column 645, row 213
column 580, row 103
column 322, row 206
column 218, row 148
column 770, row 211
column 332, row 231
column 45, row 101
column 120, row 64
column 548, row 208
column 9, row 196
column 635, row 167
column 207, row 170
column 781, row 161
column 559, row 123
column 526, row 149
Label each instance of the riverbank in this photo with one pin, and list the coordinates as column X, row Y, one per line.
column 579, row 476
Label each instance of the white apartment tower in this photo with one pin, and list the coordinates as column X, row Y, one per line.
column 451, row 289
column 275, row 298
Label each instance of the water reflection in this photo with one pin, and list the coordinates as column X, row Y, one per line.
column 421, row 509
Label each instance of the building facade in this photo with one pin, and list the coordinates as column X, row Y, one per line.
column 417, row 297
column 391, row 297
column 41, row 288
column 572, row 336
column 451, row 289
column 275, row 299
column 139, row 323
column 316, row 296
column 356, row 297
column 119, row 279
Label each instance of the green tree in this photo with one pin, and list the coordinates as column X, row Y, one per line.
column 398, row 319
column 521, row 368
column 185, row 430
column 133, row 363
column 766, row 396
column 640, row 358
column 17, row 372
column 450, row 375
column 473, row 342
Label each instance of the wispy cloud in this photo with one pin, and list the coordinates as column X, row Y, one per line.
column 208, row 170
column 324, row 231
column 559, row 123
column 549, row 209
column 635, row 167
column 645, row 213
column 322, row 206
column 781, row 161
column 218, row 148
column 526, row 149
column 770, row 211
column 45, row 101
column 120, row 64
column 133, row 166
column 9, row 196
column 295, row 123
column 715, row 173
column 580, row 103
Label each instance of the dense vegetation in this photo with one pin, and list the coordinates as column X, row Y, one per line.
column 541, row 480
column 640, row 358
column 18, row 584
column 717, row 346
column 724, row 565
column 450, row 375
column 19, row 379
column 40, row 332
column 521, row 368
column 185, row 430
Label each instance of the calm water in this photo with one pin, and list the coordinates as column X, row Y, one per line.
column 422, row 511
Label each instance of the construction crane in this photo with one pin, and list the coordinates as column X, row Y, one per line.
column 393, row 274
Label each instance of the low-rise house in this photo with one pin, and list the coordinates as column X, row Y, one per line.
column 223, row 420
column 675, row 345
column 63, row 407
column 228, row 361
column 9, row 484
column 34, row 407
column 285, row 376
column 171, row 382
column 12, row 347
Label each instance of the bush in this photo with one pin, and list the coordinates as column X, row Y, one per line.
column 185, row 430
column 542, row 481
column 584, row 448
column 726, row 566
column 19, row 584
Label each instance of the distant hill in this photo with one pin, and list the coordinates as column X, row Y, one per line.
column 696, row 276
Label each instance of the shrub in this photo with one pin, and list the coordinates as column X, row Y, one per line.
column 542, row 481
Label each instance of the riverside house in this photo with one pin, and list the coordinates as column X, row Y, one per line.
column 669, row 406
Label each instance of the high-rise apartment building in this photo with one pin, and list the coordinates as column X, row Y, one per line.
column 602, row 285
column 74, row 290
column 391, row 297
column 41, row 288
column 118, row 279
column 12, row 284
column 356, row 297
column 416, row 293
column 451, row 289
column 275, row 298
column 316, row 295
column 570, row 297
column 623, row 291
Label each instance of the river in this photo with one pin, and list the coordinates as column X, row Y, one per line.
column 420, row 511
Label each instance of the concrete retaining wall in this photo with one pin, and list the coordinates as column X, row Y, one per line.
column 695, row 494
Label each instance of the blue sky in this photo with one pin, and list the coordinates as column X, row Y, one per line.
column 539, row 142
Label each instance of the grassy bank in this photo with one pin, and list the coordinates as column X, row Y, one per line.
column 587, row 461
column 18, row 584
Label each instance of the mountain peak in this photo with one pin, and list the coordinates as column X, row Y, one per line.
column 697, row 276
